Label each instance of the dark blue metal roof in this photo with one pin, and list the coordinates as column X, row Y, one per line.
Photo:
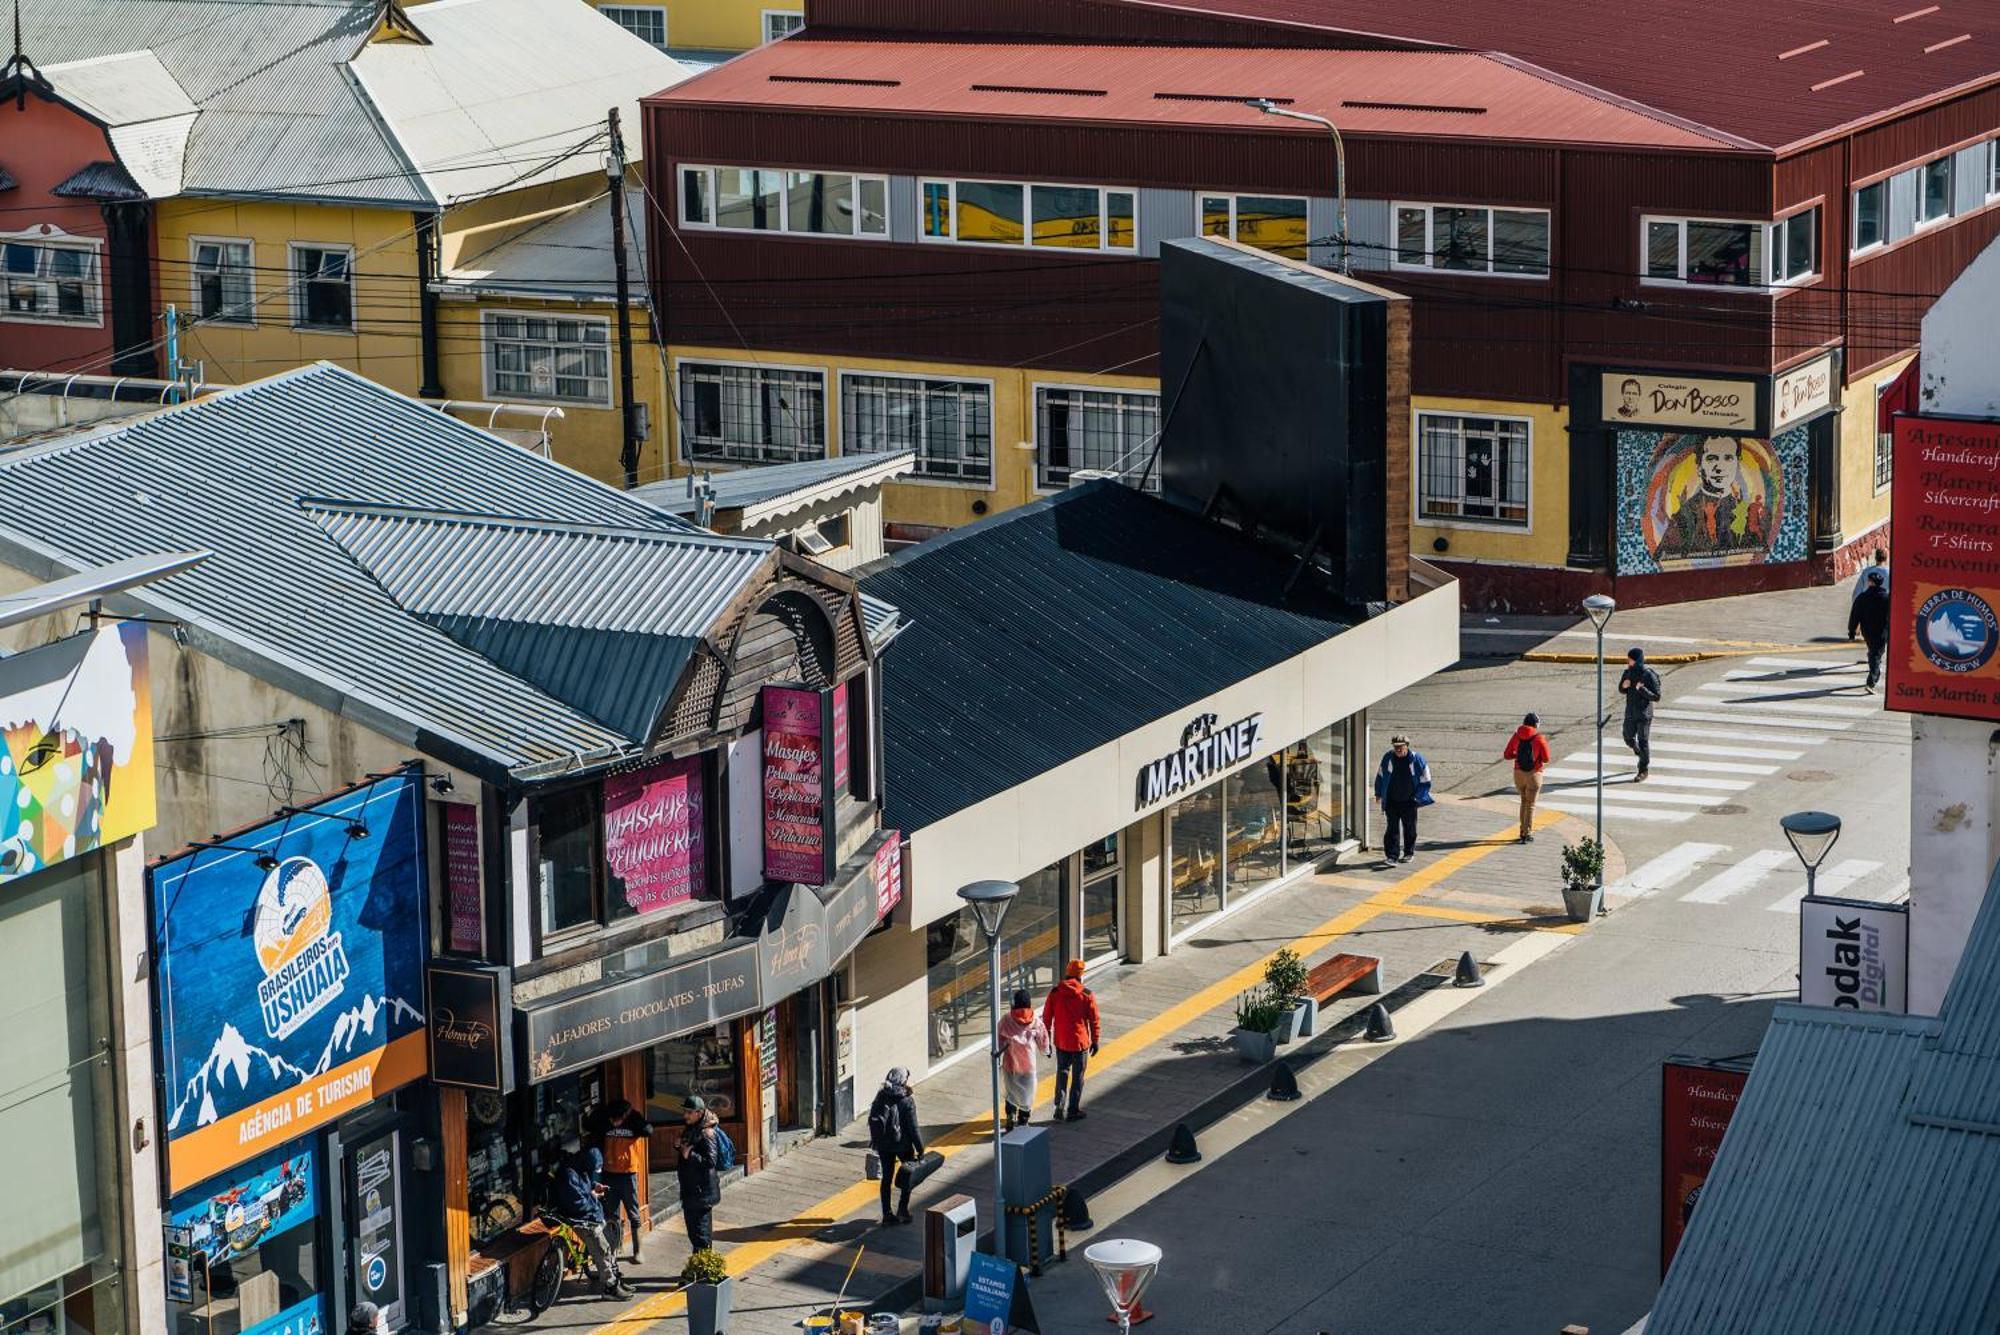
column 1047, row 631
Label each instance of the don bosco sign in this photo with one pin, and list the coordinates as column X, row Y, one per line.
column 1206, row 750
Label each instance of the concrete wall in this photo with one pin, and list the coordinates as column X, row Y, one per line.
column 893, row 1020
column 128, row 931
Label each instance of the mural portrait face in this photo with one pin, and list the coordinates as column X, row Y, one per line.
column 1721, row 466
column 1628, row 399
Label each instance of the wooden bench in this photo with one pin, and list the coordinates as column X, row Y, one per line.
column 1361, row 973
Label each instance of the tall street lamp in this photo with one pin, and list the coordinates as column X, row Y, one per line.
column 1599, row 609
column 989, row 901
column 1812, row 835
column 1270, row 108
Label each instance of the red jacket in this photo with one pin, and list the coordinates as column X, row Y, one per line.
column 1538, row 747
column 1071, row 1016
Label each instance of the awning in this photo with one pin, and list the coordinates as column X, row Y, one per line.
column 808, row 932
column 1899, row 397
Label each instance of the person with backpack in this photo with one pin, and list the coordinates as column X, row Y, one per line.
column 573, row 1198
column 1640, row 686
column 1402, row 784
column 625, row 1139
column 1071, row 1016
column 1022, row 1036
column 896, row 1138
column 1869, row 614
column 701, row 1161
column 1529, row 751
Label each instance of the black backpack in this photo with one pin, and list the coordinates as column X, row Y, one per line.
column 1524, row 754
column 885, row 1125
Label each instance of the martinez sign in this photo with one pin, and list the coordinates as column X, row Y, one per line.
column 1205, row 751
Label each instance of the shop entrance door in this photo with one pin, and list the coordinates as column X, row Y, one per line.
column 375, row 1257
column 800, row 1058
column 1098, row 909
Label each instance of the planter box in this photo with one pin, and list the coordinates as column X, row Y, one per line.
column 1256, row 1048
column 1308, row 1018
column 1582, row 905
column 708, row 1307
column 1296, row 1024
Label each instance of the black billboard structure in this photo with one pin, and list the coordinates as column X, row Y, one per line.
column 1278, row 413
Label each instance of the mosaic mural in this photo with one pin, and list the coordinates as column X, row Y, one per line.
column 1690, row 499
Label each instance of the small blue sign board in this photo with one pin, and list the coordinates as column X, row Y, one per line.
column 989, row 1294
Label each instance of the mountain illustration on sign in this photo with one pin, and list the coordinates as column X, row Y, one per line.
column 1956, row 629
column 234, row 1056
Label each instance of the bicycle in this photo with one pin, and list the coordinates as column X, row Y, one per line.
column 565, row 1256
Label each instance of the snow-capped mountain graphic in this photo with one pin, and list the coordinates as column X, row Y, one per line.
column 243, row 1073
column 358, row 1021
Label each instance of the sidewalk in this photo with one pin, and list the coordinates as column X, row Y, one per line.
column 791, row 1232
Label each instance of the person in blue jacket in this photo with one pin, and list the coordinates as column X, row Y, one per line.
column 1402, row 784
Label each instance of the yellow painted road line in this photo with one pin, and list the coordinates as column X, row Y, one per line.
column 748, row 1256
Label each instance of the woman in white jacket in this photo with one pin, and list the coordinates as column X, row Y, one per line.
column 1023, row 1037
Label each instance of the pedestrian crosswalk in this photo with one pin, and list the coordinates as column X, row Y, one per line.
column 1716, row 741
column 1714, row 874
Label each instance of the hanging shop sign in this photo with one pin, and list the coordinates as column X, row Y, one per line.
column 799, row 767
column 471, row 1018
column 216, row 1239
column 1696, row 1102
column 291, row 980
column 1206, row 750
column 792, row 948
column 841, row 761
column 1802, row 392
column 1640, row 398
column 78, row 717
column 655, row 834
column 465, row 912
column 1854, row 954
column 1944, row 570
column 857, row 906
column 889, row 874
column 639, row 1012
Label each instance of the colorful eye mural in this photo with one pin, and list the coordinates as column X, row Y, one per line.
column 1691, row 499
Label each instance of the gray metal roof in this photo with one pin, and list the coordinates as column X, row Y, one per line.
column 100, row 180
column 1042, row 633
column 568, row 256
column 1858, row 1187
column 283, row 599
column 880, row 620
column 743, row 487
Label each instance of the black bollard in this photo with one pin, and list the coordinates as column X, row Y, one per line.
column 1284, row 1085
column 1183, row 1148
column 1076, row 1210
column 1468, row 972
column 1380, row 1027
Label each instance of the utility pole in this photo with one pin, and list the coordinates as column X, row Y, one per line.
column 614, row 168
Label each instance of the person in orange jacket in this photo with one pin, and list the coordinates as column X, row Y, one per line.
column 1071, row 1016
column 1529, row 751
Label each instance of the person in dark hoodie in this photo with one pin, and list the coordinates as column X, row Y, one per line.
column 1640, row 686
column 896, row 1138
column 1870, row 616
column 697, row 1165
column 1529, row 751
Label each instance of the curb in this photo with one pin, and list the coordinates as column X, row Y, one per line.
column 1692, row 656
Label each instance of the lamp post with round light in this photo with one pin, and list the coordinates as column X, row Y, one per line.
column 1812, row 835
column 1599, row 608
column 989, row 901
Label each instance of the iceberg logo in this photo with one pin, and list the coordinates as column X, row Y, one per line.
column 305, row 967
column 1956, row 630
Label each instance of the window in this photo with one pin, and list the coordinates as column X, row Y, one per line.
column 224, row 282
column 1008, row 213
column 949, row 423
column 1470, row 239
column 751, row 414
column 1276, row 223
column 1110, row 431
column 51, row 282
column 754, row 199
column 1934, row 190
column 782, row 23
column 534, row 357
column 1795, row 247
column 1992, row 168
column 566, row 837
column 323, row 287
column 1704, row 252
column 1472, row 469
column 648, row 23
column 1871, row 215
column 1885, row 441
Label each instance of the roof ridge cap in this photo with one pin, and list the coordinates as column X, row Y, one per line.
column 471, row 518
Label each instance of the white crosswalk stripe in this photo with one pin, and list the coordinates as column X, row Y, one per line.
column 1751, row 704
column 1812, row 693
column 1618, row 781
column 1736, row 733
column 1586, row 807
column 1735, row 752
column 1743, row 876
column 1834, row 883
column 1816, row 664
column 1740, row 719
column 1672, row 762
column 1665, row 871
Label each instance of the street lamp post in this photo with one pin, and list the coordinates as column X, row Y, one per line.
column 1812, row 835
column 1599, row 608
column 1270, row 108
column 989, row 901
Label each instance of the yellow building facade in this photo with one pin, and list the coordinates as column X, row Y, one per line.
column 707, row 25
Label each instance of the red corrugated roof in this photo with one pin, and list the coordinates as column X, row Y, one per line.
column 1775, row 72
column 1422, row 93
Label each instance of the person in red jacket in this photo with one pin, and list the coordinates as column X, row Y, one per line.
column 1529, row 751
column 1071, row 1016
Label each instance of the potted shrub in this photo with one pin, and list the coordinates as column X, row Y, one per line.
column 707, row 1276
column 1583, row 879
column 1285, row 984
column 1257, row 1021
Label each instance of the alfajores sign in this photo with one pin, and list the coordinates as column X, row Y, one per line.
column 1854, row 954
column 1206, row 750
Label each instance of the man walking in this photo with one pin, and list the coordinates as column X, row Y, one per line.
column 1640, row 686
column 1880, row 565
column 573, row 1197
column 699, row 1171
column 625, row 1137
column 1070, row 1015
column 1870, row 616
column 1402, row 784
column 1529, row 751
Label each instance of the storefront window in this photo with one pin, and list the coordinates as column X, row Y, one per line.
column 1256, row 826
column 495, row 1177
column 566, row 824
column 242, row 1251
column 1030, row 957
column 1195, row 842
column 701, row 1064
column 1100, row 899
column 1315, row 776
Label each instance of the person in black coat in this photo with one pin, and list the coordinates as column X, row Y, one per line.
column 896, row 1138
column 1870, row 616
column 697, row 1167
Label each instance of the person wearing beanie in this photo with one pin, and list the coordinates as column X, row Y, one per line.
column 1529, row 751
column 699, row 1170
column 1640, row 686
column 896, row 1138
column 364, row 1319
column 1402, row 786
column 1023, row 1035
column 574, row 1198
column 1070, row 1015
column 1869, row 614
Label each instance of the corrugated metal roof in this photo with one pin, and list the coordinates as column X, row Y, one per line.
column 100, row 180
column 879, row 619
column 741, row 488
column 1858, row 1187
column 1042, row 633
column 7, row 182
column 567, row 257
column 121, row 89
column 1387, row 93
column 280, row 596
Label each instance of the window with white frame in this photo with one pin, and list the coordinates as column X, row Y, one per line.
column 648, row 23
column 540, row 357
column 1871, row 216
column 1096, row 430
column 1934, row 189
column 1718, row 252
column 1014, row 213
column 1462, row 238
column 323, row 287
column 1472, row 469
column 762, row 199
column 734, row 414
column 225, row 289
column 1993, row 168
column 1276, row 223
column 1795, row 247
column 1885, row 441
column 948, row 423
column 51, row 282
column 782, row 23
